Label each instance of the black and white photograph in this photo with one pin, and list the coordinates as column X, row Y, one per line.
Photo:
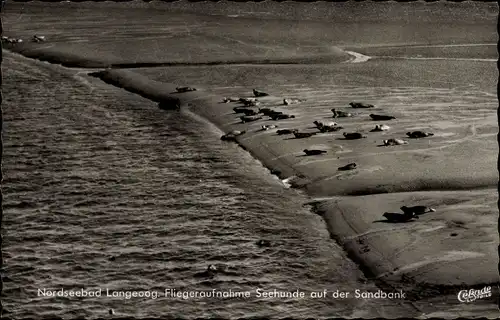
column 259, row 159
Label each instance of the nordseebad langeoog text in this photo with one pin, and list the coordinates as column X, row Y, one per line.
column 214, row 293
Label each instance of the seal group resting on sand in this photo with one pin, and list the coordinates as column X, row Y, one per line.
column 361, row 105
column 185, row 89
column 399, row 217
column 350, row 166
column 231, row 136
column 250, row 118
column 379, row 117
column 380, row 127
column 313, row 152
column 353, row 136
column 259, row 93
column 417, row 210
column 340, row 114
column 394, row 142
column 419, row 134
column 285, row 131
column 301, row 135
column 281, row 116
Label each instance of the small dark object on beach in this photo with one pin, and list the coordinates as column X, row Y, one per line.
column 353, row 136
column 419, row 134
column 281, row 116
column 324, row 129
column 340, row 114
column 111, row 311
column 250, row 112
column 379, row 117
column 266, row 127
column 269, row 112
column 229, row 99
column 380, row 127
column 313, row 152
column 289, row 101
column 231, row 136
column 37, row 38
column 301, row 135
column 245, row 100
column 170, row 104
column 454, row 234
column 250, row 118
column 350, row 166
column 285, row 131
column 112, row 258
column 184, row 89
column 361, row 105
column 263, row 243
column 259, row 93
column 418, row 210
column 394, row 142
column 242, row 109
column 399, row 217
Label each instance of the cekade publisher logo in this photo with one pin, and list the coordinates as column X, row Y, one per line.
column 472, row 295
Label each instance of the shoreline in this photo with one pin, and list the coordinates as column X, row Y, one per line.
column 208, row 105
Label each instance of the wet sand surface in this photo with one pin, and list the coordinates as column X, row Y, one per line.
column 451, row 94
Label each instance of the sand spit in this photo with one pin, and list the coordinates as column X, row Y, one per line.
column 436, row 252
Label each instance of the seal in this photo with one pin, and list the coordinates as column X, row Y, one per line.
column 170, row 104
column 313, row 152
column 379, row 117
column 231, row 136
column 244, row 100
column 286, row 131
column 210, row 272
column 37, row 38
column 281, row 116
column 184, row 89
column 419, row 134
column 353, row 136
column 340, row 114
column 268, row 127
column 244, row 110
column 417, row 210
column 269, row 112
column 399, row 217
column 259, row 93
column 251, row 103
column 350, row 166
column 301, row 135
column 394, row 142
column 380, row 127
column 290, row 101
column 320, row 124
column 361, row 105
column 227, row 100
column 250, row 118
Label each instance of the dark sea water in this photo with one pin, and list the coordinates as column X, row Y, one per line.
column 103, row 190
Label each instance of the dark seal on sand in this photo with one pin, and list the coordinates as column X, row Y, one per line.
column 353, row 136
column 379, row 117
column 419, row 134
column 313, row 152
column 185, row 89
column 361, row 105
column 170, row 104
column 231, row 136
column 259, row 93
column 340, row 114
column 285, row 131
column 301, row 135
column 417, row 210
column 281, row 116
column 250, row 118
column 350, row 166
column 394, row 142
column 399, row 217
